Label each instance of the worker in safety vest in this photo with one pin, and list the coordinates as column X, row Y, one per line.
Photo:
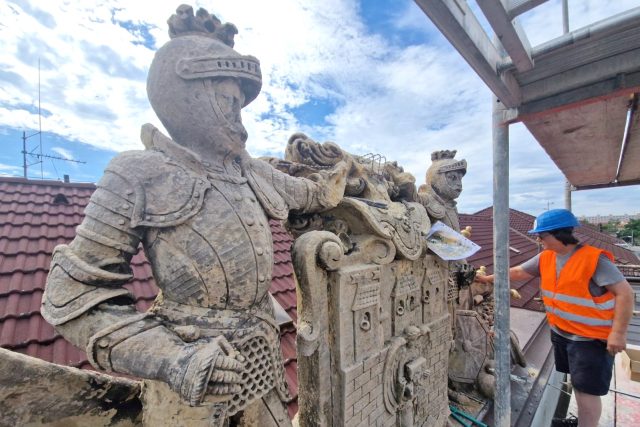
column 589, row 305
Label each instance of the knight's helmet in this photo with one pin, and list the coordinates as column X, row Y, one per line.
column 441, row 162
column 200, row 49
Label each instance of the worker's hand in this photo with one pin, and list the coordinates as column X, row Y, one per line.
column 616, row 342
column 484, row 279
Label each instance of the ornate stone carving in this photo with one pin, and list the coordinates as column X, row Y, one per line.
column 199, row 205
column 374, row 333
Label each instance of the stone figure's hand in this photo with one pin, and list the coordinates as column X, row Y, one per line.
column 226, row 377
column 616, row 342
column 213, row 369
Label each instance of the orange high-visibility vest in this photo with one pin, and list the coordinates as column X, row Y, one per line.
column 567, row 300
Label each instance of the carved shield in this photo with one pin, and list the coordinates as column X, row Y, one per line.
column 471, row 347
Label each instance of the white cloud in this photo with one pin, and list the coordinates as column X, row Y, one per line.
column 63, row 152
column 9, row 170
column 402, row 101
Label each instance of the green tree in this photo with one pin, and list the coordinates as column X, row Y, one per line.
column 611, row 227
column 630, row 231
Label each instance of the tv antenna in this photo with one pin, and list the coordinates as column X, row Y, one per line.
column 37, row 151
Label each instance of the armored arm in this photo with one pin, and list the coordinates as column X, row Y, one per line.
column 320, row 191
column 85, row 300
column 87, row 275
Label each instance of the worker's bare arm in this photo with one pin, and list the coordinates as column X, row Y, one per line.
column 517, row 274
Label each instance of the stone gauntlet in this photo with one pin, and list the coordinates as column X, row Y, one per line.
column 143, row 347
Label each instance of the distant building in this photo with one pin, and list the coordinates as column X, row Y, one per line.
column 605, row 219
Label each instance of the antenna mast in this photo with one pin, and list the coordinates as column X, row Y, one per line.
column 40, row 156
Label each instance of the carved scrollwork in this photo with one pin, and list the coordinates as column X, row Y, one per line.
column 302, row 149
column 407, row 224
column 313, row 254
column 376, row 250
column 341, row 229
column 403, row 223
column 330, row 255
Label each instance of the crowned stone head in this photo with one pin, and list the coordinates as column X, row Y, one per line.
column 444, row 176
column 186, row 73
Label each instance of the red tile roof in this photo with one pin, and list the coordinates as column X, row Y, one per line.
column 35, row 216
column 521, row 249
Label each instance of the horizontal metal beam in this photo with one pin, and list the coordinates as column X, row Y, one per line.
column 458, row 24
column 510, row 34
column 518, row 7
column 616, row 67
column 606, row 88
column 609, row 185
column 614, row 25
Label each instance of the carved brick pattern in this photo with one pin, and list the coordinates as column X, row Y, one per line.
column 368, row 291
column 363, row 404
column 363, row 391
column 437, row 348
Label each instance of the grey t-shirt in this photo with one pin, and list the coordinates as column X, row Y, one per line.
column 606, row 274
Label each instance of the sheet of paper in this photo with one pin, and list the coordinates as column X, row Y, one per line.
column 448, row 244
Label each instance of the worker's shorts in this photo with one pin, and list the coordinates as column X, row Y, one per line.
column 588, row 362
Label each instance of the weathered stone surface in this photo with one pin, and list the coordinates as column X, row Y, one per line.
column 470, row 303
column 471, row 330
column 373, row 324
column 199, row 205
column 37, row 393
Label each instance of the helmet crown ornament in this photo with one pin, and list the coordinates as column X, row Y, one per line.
column 444, row 161
column 200, row 49
column 184, row 23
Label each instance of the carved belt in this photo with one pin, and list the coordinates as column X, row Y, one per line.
column 213, row 321
column 253, row 332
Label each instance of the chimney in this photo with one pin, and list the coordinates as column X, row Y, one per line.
column 66, row 179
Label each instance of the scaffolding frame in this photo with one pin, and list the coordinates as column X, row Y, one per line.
column 595, row 64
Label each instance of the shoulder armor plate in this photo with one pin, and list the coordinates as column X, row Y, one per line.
column 435, row 209
column 163, row 192
column 259, row 175
column 74, row 287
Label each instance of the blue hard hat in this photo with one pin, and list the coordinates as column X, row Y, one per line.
column 554, row 219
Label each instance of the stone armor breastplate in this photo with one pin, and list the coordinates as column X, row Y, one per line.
column 219, row 258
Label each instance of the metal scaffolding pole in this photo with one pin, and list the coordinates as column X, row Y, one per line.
column 565, row 16
column 502, row 401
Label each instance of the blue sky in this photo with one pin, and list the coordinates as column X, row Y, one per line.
column 371, row 75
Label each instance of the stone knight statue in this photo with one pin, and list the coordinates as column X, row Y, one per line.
column 208, row 350
column 443, row 186
column 471, row 304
